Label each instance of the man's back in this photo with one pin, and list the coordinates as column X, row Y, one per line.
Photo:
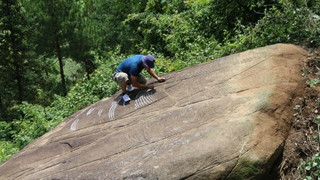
column 131, row 66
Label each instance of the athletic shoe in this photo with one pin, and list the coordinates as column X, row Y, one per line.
column 130, row 87
column 126, row 98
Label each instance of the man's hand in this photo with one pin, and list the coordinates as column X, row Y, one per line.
column 151, row 87
column 161, row 79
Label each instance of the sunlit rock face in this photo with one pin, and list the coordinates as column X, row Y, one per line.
column 224, row 119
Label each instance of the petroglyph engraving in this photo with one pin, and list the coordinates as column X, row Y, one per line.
column 144, row 98
column 100, row 112
column 197, row 72
column 74, row 125
column 90, row 111
column 113, row 107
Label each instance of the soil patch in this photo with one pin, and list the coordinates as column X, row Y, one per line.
column 304, row 137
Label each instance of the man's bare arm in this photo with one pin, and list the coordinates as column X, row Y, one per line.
column 154, row 75
column 135, row 83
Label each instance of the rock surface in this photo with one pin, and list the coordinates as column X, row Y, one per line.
column 225, row 119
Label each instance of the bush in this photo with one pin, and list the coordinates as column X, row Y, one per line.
column 7, row 149
column 285, row 23
column 32, row 124
column 310, row 169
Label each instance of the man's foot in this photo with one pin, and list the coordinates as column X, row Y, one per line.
column 130, row 87
column 126, row 98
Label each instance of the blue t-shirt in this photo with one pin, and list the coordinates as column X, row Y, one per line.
column 132, row 65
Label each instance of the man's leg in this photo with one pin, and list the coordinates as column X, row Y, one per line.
column 122, row 79
column 141, row 79
column 124, row 87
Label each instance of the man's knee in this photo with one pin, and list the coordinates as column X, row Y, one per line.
column 142, row 79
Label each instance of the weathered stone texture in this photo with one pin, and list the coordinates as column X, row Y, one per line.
column 225, row 119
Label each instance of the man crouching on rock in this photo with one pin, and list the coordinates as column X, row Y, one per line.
column 128, row 75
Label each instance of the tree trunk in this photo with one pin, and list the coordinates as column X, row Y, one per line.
column 19, row 83
column 87, row 68
column 63, row 82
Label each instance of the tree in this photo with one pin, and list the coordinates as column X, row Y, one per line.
column 53, row 26
column 84, row 38
column 19, row 70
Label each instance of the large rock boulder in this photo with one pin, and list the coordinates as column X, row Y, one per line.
column 224, row 119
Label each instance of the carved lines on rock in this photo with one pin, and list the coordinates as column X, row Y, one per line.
column 144, row 98
column 113, row 107
column 74, row 125
column 100, row 112
column 90, row 111
column 197, row 72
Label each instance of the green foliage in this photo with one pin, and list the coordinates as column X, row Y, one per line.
column 7, row 149
column 5, row 130
column 296, row 107
column 313, row 82
column 20, row 132
column 286, row 22
column 175, row 33
column 310, row 169
column 304, row 73
column 32, row 124
column 225, row 14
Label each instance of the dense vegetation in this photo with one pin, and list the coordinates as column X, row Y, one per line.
column 57, row 56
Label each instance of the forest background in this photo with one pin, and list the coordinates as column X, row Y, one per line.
column 57, row 56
